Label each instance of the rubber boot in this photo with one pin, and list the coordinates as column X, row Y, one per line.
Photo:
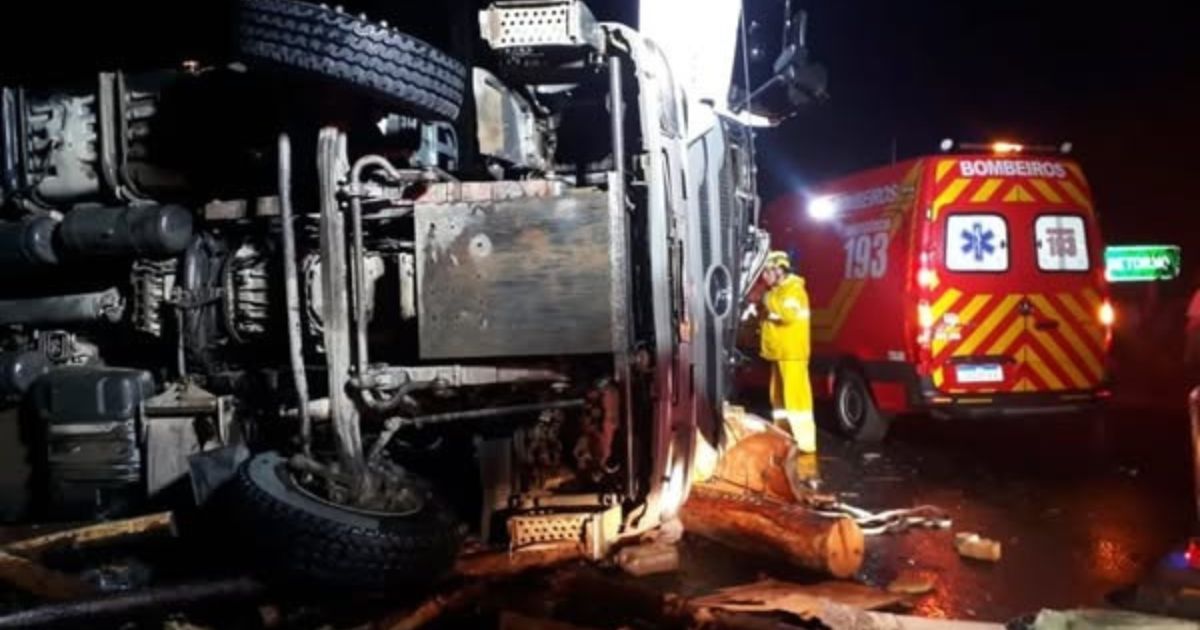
column 804, row 432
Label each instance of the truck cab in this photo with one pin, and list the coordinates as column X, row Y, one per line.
column 385, row 292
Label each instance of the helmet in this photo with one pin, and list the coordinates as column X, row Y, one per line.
column 779, row 259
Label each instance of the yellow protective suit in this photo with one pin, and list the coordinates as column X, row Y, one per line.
column 785, row 342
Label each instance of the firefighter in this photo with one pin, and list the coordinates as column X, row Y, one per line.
column 785, row 343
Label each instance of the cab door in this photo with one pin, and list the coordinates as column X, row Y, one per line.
column 974, row 310
column 1065, row 292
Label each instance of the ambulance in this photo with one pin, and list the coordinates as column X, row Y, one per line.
column 965, row 285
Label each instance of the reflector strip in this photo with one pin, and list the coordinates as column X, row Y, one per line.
column 950, row 194
column 1035, row 363
column 986, row 191
column 1046, row 190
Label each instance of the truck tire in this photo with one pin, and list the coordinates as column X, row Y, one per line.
column 855, row 412
column 294, row 536
column 376, row 58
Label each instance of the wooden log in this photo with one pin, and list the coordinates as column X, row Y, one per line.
column 486, row 569
column 757, row 464
column 775, row 530
column 98, row 533
column 36, row 579
column 19, row 564
column 19, row 561
column 504, row 563
column 436, row 606
column 802, row 600
column 510, row 620
column 107, row 610
column 588, row 591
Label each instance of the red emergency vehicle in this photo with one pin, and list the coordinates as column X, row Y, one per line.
column 957, row 284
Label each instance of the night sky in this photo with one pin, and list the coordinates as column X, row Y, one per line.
column 1122, row 85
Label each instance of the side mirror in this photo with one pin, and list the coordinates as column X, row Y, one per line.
column 805, row 81
column 794, row 81
column 794, row 43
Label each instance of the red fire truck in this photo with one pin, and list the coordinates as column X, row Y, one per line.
column 962, row 285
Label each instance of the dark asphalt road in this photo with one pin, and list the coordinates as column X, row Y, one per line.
column 1082, row 506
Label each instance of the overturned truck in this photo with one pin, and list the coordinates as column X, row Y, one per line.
column 427, row 294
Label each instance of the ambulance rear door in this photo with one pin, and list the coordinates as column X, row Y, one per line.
column 973, row 303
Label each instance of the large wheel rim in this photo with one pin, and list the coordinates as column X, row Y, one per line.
column 852, row 407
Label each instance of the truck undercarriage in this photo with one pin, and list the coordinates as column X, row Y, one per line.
column 410, row 291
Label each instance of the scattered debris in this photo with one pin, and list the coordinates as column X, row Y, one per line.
column 124, row 575
column 1129, row 471
column 436, row 606
column 270, row 616
column 501, row 563
column 648, row 559
column 836, row 605
column 98, row 610
column 1091, row 619
column 740, row 424
column 652, row 608
column 181, row 624
column 885, row 479
column 845, row 618
column 514, row 621
column 484, row 570
column 912, row 583
column 802, row 600
column 783, row 531
column 972, row 545
column 670, row 532
column 889, row 521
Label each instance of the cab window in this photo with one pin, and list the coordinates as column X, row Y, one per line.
column 1061, row 242
column 976, row 242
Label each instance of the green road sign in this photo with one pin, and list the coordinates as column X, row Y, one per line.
column 1141, row 263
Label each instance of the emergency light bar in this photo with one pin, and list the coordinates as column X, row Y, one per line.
column 1002, row 147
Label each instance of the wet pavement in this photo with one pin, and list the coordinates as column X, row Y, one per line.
column 1082, row 506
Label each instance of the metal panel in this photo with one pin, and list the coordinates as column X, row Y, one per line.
column 533, row 23
column 596, row 530
column 181, row 422
column 507, row 128
column 482, row 192
column 524, row 277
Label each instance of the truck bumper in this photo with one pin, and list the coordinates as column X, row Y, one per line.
column 978, row 405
